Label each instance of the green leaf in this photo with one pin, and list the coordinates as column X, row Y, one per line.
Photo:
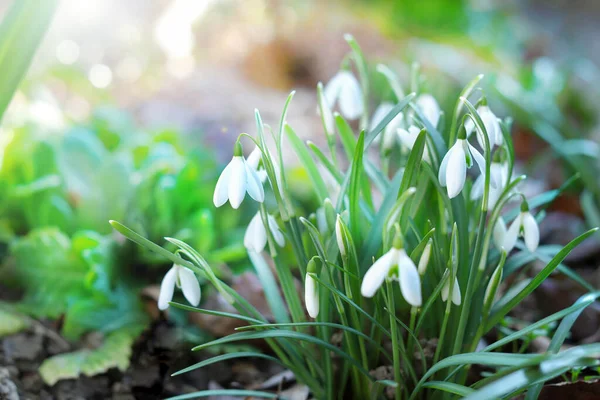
column 449, row 387
column 270, row 287
column 224, row 357
column 308, row 163
column 387, row 119
column 114, row 352
column 355, row 186
column 499, row 313
column 21, row 32
column 11, row 322
column 226, row 393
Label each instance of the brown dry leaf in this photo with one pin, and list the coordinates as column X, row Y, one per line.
column 579, row 390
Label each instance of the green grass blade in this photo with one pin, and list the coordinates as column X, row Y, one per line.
column 498, row 314
column 387, row 119
column 270, row 287
column 308, row 163
column 355, row 186
column 225, row 357
column 449, row 387
column 21, row 32
column 226, row 393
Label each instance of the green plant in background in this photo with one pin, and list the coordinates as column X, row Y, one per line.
column 403, row 261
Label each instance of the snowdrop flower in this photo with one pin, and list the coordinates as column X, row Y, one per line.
column 499, row 233
column 424, row 260
column 253, row 160
column 492, row 126
column 408, row 139
column 395, row 264
column 339, row 236
column 453, row 171
column 324, row 110
column 344, row 89
column 498, row 181
column 311, row 291
column 389, row 133
column 185, row 279
column 237, row 178
column 430, row 108
column 255, row 238
column 526, row 226
column 456, row 297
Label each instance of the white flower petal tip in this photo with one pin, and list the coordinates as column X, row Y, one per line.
column 526, row 226
column 237, row 178
column 410, row 281
column 376, row 275
column 456, row 169
column 344, row 89
column 424, row 260
column 430, row 108
column 499, row 234
column 311, row 296
column 456, row 296
column 255, row 238
column 491, row 124
column 184, row 278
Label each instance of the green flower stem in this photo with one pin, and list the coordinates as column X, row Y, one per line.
column 396, row 340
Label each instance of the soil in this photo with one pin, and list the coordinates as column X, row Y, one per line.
column 156, row 355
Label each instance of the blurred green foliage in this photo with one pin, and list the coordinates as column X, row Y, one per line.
column 57, row 194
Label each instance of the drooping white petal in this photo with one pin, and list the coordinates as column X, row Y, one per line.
column 167, row 287
column 254, row 158
column 237, row 181
column 456, row 296
column 499, row 233
column 429, row 107
column 375, row 276
column 333, row 88
column 255, row 238
column 477, row 189
column 277, row 234
column 531, row 231
column 424, row 260
column 456, row 171
column 311, row 296
column 410, row 282
column 350, row 98
column 253, row 184
column 488, row 119
column 444, row 168
column 379, row 114
column 339, row 236
column 510, row 239
column 221, row 189
column 189, row 285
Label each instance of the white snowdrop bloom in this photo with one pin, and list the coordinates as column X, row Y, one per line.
column 389, row 134
column 339, row 236
column 408, row 139
column 429, row 107
column 236, row 179
column 498, row 181
column 185, row 279
column 456, row 297
column 311, row 295
column 499, row 233
column 453, row 171
column 424, row 260
column 255, row 238
column 394, row 264
column 491, row 124
column 253, row 161
column 526, row 226
column 344, row 89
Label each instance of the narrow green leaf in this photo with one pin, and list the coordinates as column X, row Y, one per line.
column 270, row 287
column 226, row 393
column 308, row 163
column 387, row 119
column 355, row 186
column 449, row 387
column 498, row 314
column 225, row 357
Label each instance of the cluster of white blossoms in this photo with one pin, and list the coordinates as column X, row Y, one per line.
column 243, row 176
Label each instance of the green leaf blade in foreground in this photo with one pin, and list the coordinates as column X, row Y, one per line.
column 224, row 357
column 354, row 192
column 388, row 118
column 498, row 314
column 21, row 32
column 227, row 393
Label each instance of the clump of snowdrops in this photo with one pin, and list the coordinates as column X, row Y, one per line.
column 420, row 224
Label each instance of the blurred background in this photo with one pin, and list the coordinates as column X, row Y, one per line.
column 129, row 110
